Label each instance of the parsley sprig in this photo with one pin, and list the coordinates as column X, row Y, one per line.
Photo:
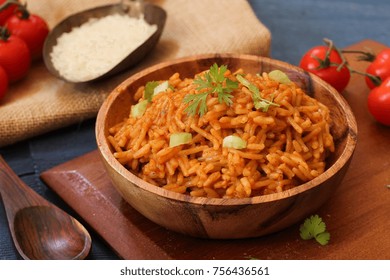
column 213, row 82
column 314, row 227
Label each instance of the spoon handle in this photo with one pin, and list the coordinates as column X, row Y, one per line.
column 15, row 193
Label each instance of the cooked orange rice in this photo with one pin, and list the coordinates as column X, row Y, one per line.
column 286, row 145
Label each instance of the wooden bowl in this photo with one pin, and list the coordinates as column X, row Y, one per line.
column 228, row 218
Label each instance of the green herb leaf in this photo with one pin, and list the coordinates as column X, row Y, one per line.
column 149, row 90
column 259, row 102
column 279, row 76
column 233, row 141
column 161, row 88
column 179, row 138
column 323, row 238
column 305, row 233
column 213, row 82
column 196, row 101
column 314, row 227
column 217, row 73
column 139, row 109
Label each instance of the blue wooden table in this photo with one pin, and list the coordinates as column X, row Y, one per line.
column 295, row 25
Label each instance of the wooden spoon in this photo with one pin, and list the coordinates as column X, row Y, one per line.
column 40, row 230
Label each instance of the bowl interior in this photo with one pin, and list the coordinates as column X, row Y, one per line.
column 343, row 127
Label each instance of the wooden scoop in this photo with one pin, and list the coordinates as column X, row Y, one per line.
column 152, row 14
column 40, row 230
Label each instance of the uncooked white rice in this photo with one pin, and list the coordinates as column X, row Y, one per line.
column 98, row 45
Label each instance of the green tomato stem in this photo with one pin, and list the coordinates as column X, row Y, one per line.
column 22, row 8
column 325, row 63
column 330, row 48
column 344, row 63
column 4, row 33
column 365, row 56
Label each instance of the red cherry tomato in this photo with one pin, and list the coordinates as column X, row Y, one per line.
column 14, row 57
column 378, row 102
column 329, row 73
column 4, row 14
column 3, row 82
column 379, row 67
column 32, row 29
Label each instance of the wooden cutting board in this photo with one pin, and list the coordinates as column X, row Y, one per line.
column 357, row 216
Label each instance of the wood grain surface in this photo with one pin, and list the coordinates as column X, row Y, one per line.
column 356, row 215
column 227, row 218
column 40, row 229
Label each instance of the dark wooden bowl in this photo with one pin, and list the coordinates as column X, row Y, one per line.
column 153, row 15
column 228, row 218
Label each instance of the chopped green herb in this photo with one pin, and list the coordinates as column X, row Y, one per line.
column 259, row 102
column 214, row 82
column 179, row 138
column 139, row 109
column 161, row 88
column 149, row 90
column 233, row 141
column 152, row 88
column 314, row 227
column 279, row 76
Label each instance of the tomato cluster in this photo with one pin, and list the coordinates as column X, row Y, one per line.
column 378, row 100
column 328, row 63
column 22, row 36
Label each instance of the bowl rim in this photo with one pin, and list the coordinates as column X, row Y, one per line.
column 105, row 152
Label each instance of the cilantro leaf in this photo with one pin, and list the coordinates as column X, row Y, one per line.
column 314, row 227
column 323, row 238
column 264, row 104
column 259, row 102
column 217, row 73
column 213, row 82
column 305, row 233
column 197, row 101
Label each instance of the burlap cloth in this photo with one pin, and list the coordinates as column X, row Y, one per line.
column 42, row 103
